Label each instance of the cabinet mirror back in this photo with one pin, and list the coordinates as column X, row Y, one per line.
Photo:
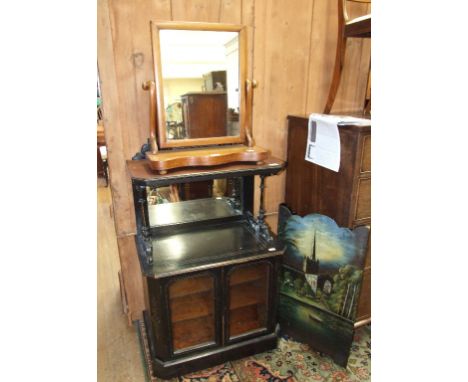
column 200, row 201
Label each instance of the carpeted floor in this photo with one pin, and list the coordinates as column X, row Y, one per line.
column 290, row 362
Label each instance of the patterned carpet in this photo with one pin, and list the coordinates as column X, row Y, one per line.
column 290, row 362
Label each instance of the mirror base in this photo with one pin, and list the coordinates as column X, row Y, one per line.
column 213, row 156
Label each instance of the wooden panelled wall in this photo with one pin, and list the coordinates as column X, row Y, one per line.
column 291, row 55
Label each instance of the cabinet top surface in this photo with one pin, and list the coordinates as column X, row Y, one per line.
column 304, row 119
column 141, row 170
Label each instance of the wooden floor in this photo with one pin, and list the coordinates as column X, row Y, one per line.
column 118, row 350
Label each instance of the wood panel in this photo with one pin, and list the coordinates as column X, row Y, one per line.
column 118, row 355
column 364, row 304
column 132, row 280
column 111, row 105
column 366, row 154
column 196, row 10
column 281, row 59
column 367, row 264
column 230, row 12
column 322, row 54
column 363, row 208
column 292, row 47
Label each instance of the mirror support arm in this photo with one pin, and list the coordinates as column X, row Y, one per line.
column 151, row 86
column 249, row 86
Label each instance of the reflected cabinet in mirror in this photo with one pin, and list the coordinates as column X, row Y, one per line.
column 200, row 78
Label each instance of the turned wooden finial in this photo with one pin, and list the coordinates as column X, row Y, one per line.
column 151, row 86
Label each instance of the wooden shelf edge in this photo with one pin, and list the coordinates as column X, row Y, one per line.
column 192, row 317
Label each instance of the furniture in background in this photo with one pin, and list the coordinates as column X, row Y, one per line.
column 204, row 114
column 344, row 196
column 212, row 79
column 209, row 265
column 359, row 27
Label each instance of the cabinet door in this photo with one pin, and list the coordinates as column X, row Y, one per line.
column 192, row 312
column 248, row 288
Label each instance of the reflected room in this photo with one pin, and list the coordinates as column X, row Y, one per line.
column 200, row 75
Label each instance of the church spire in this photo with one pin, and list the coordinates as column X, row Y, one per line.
column 313, row 249
column 311, row 264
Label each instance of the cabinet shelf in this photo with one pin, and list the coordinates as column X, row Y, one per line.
column 243, row 295
column 206, row 247
column 192, row 306
column 247, row 275
column 188, row 211
column 190, row 286
column 238, row 328
column 246, row 319
column 193, row 332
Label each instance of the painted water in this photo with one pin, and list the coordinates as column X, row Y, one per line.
column 316, row 325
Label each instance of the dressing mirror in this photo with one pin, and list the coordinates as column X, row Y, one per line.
column 200, row 97
column 200, row 72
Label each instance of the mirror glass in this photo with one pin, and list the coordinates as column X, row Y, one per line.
column 194, row 201
column 200, row 75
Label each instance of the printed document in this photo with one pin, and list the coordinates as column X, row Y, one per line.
column 323, row 139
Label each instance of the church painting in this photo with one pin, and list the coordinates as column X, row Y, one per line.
column 323, row 263
column 320, row 281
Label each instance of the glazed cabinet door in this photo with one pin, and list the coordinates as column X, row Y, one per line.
column 185, row 314
column 193, row 312
column 250, row 294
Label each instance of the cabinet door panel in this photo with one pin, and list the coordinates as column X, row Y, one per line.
column 248, row 298
column 363, row 208
column 192, row 311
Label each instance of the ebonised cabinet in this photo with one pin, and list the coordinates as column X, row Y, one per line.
column 209, row 264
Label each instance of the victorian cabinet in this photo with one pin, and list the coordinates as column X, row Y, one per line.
column 343, row 196
column 209, row 264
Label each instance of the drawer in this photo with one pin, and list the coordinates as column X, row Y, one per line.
column 367, row 264
column 363, row 205
column 366, row 154
column 364, row 305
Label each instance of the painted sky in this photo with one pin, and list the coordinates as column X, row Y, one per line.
column 335, row 246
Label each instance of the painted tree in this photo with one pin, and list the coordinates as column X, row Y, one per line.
column 298, row 285
column 345, row 289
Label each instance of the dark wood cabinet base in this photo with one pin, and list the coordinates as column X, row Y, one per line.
column 212, row 357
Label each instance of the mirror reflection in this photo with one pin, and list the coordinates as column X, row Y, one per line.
column 195, row 201
column 200, row 73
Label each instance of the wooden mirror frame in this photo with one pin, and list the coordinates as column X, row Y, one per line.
column 163, row 142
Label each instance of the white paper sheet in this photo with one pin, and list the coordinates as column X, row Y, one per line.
column 323, row 139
